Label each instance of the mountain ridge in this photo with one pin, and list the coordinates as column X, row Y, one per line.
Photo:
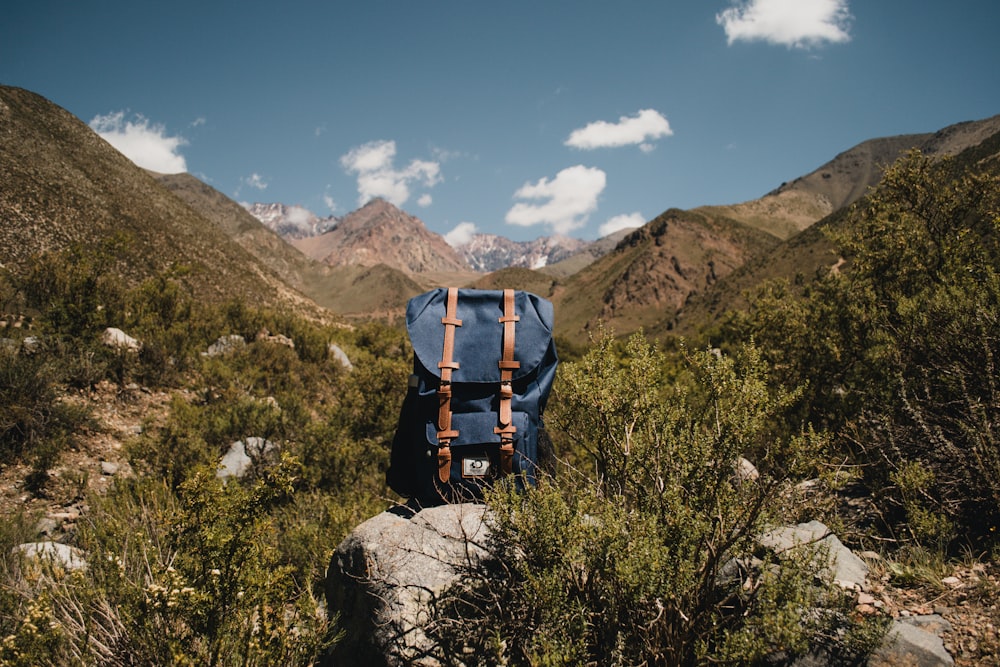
column 64, row 185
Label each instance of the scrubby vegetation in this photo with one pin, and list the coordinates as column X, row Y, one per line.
column 898, row 351
column 650, row 557
column 183, row 567
column 640, row 550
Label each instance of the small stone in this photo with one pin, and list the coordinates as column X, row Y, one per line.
column 865, row 599
column 954, row 582
column 109, row 468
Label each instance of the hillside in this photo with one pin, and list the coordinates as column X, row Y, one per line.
column 63, row 185
column 799, row 203
column 653, row 271
column 292, row 266
column 809, row 254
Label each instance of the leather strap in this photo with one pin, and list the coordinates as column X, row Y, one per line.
column 447, row 364
column 508, row 365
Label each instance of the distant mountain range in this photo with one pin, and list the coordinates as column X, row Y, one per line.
column 63, row 186
column 318, row 238
column 292, row 222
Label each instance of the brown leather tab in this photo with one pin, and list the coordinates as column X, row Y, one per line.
column 507, row 365
column 507, row 457
column 444, row 463
column 506, row 414
column 447, row 365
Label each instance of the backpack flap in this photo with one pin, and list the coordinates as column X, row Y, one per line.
column 479, row 311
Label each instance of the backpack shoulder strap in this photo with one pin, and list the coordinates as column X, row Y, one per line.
column 447, row 364
column 508, row 365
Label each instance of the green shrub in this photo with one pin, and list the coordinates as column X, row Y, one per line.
column 193, row 578
column 35, row 421
column 901, row 348
column 635, row 564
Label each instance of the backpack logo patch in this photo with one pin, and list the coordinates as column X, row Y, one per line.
column 476, row 466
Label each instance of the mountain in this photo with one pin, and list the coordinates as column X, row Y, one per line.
column 810, row 254
column 64, row 186
column 291, row 222
column 237, row 223
column 653, row 271
column 704, row 259
column 379, row 233
column 490, row 252
column 350, row 290
column 797, row 204
column 586, row 255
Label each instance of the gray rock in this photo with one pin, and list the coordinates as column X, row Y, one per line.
column 46, row 526
column 844, row 566
column 744, row 471
column 56, row 553
column 340, row 356
column 385, row 574
column 225, row 345
column 109, row 468
column 120, row 340
column 31, row 345
column 241, row 457
column 906, row 644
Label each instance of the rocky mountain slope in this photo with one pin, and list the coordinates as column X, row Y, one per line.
column 810, row 253
column 653, row 271
column 291, row 222
column 490, row 252
column 268, row 247
column 63, row 186
column 379, row 233
column 797, row 204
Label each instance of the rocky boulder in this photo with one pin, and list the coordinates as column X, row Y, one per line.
column 119, row 340
column 383, row 576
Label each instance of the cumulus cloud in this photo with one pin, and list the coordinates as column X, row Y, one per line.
column 146, row 144
column 461, row 234
column 425, row 200
column 330, row 203
column 620, row 222
column 791, row 23
column 378, row 177
column 255, row 181
column 298, row 215
column 571, row 198
column 645, row 126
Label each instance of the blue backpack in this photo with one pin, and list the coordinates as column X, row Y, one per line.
column 483, row 365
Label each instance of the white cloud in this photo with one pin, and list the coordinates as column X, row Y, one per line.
column 792, row 23
column 572, row 196
column 147, row 145
column 425, row 200
column 378, row 177
column 330, row 203
column 297, row 215
column 619, row 222
column 640, row 129
column 255, row 181
column 461, row 234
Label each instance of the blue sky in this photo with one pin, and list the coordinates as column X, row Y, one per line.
column 515, row 118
